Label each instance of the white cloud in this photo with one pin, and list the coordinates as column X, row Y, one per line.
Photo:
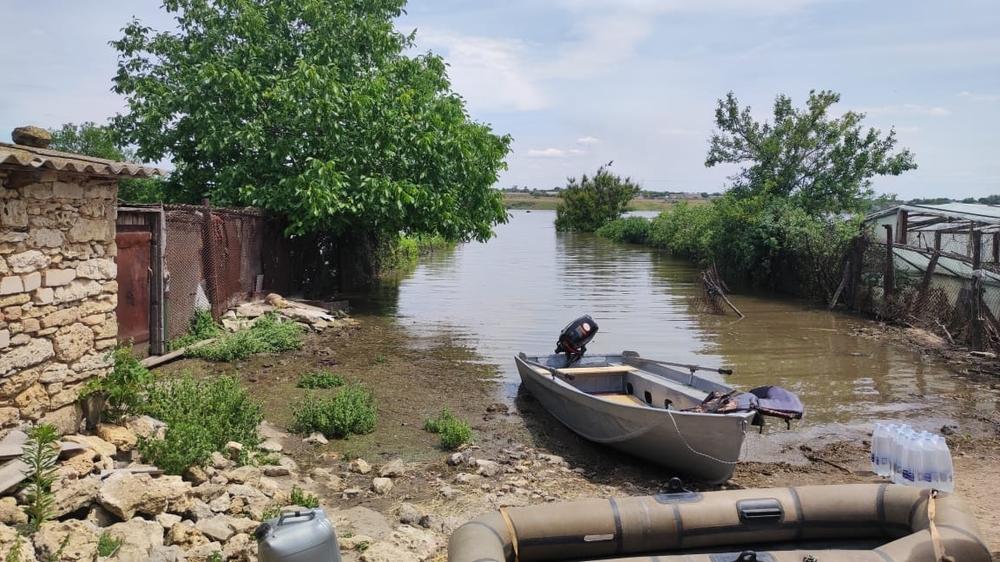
column 553, row 152
column 490, row 73
column 907, row 129
column 908, row 109
column 690, row 6
column 979, row 97
column 588, row 140
column 675, row 131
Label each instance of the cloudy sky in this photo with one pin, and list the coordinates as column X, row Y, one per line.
column 580, row 82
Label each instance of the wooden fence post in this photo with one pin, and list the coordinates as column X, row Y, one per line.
column 209, row 271
column 937, row 240
column 977, row 249
column 902, row 226
column 976, row 338
column 889, row 277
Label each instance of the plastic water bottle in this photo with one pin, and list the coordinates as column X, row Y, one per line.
column 908, row 457
column 944, row 469
column 899, row 442
column 881, row 455
column 923, row 468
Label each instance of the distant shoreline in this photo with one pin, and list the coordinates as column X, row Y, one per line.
column 550, row 202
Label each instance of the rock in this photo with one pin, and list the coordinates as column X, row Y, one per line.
column 244, row 491
column 240, row 548
column 95, row 443
column 147, row 427
column 126, row 494
column 66, row 420
column 350, row 493
column 405, row 544
column 275, row 471
column 197, row 510
column 185, row 535
column 7, row 537
column 271, row 446
column 408, row 514
column 273, row 299
column 27, row 262
column 355, row 542
column 466, row 478
column 316, row 438
column 244, row 474
column 498, row 408
column 218, row 461
column 167, row 554
column 363, row 521
column 10, row 513
column 81, row 545
column 121, row 437
column 72, row 495
column 392, row 469
column 207, row 552
column 360, row 466
column 139, row 537
column 100, row 516
column 30, row 135
column 552, row 459
column 949, row 429
column 195, row 475
column 456, row 459
column 233, row 450
column 216, row 528
column 448, row 492
column 168, row 520
column 381, row 486
column 72, row 342
column 221, row 503
column 487, row 468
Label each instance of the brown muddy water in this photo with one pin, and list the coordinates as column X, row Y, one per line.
column 515, row 292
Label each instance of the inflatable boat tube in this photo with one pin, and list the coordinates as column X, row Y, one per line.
column 851, row 522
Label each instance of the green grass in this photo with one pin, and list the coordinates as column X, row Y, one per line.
column 269, row 334
column 124, row 387
column 108, row 545
column 351, row 411
column 453, row 431
column 201, row 417
column 320, row 379
column 202, row 327
column 302, row 498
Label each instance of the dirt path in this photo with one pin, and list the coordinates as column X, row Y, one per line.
column 537, row 458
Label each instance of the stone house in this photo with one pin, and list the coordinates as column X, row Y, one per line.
column 58, row 288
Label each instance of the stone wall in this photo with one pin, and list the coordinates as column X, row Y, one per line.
column 57, row 292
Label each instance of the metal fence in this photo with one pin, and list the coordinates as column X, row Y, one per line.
column 941, row 291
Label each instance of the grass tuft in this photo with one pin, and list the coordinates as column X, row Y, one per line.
column 302, row 498
column 202, row 327
column 351, row 411
column 269, row 334
column 454, row 432
column 320, row 379
column 108, row 545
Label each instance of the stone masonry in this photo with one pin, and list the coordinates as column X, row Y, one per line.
column 57, row 292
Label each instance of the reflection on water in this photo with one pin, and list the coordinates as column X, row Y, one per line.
column 516, row 292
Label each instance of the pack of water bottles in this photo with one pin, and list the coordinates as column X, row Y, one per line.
column 912, row 458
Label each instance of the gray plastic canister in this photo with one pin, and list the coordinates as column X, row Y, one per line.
column 298, row 536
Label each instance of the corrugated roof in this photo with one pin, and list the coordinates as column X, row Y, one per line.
column 961, row 211
column 42, row 158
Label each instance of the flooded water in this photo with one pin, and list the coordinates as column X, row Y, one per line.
column 516, row 292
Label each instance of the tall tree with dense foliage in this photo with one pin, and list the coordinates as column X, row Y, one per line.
column 100, row 141
column 592, row 202
column 313, row 109
column 824, row 163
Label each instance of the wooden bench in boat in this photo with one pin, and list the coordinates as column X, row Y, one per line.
column 570, row 372
column 620, row 398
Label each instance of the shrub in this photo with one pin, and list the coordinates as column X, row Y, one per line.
column 269, row 334
column 351, row 411
column 320, row 379
column 302, row 498
column 453, row 431
column 632, row 230
column 124, row 388
column 201, row 417
column 40, row 453
column 202, row 327
column 594, row 201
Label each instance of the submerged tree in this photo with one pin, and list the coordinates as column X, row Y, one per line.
column 312, row 109
column 592, row 202
column 825, row 163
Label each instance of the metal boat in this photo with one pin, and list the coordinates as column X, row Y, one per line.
column 638, row 405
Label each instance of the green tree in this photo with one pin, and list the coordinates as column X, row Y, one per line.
column 594, row 201
column 313, row 109
column 825, row 163
column 100, row 141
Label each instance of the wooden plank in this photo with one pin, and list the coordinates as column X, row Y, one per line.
column 610, row 370
column 621, row 398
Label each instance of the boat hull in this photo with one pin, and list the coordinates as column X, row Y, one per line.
column 705, row 447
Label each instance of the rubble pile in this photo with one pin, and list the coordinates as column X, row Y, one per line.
column 312, row 317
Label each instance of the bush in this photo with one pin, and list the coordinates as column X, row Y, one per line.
column 632, row 230
column 269, row 334
column 349, row 412
column 123, row 388
column 40, row 453
column 320, row 379
column 201, row 417
column 202, row 327
column 594, row 201
column 453, row 431
column 302, row 498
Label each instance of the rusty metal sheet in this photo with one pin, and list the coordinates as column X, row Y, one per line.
column 134, row 250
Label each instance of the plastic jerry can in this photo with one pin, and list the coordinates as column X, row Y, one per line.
column 298, row 536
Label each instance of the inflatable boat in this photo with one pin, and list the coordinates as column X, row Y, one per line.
column 840, row 523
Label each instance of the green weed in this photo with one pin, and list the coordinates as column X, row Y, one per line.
column 268, row 334
column 123, row 388
column 351, row 411
column 40, row 453
column 108, row 545
column 454, row 432
column 320, row 379
column 202, row 327
column 201, row 417
column 302, row 498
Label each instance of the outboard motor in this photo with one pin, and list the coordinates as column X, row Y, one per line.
column 574, row 338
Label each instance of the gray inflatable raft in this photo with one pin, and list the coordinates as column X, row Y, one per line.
column 841, row 523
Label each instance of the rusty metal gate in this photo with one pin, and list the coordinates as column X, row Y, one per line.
column 139, row 313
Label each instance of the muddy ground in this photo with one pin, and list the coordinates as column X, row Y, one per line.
column 413, row 378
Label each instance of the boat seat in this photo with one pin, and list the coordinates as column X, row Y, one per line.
column 607, row 370
column 620, row 398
